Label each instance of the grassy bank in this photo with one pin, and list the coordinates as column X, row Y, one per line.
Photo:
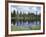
column 20, row 28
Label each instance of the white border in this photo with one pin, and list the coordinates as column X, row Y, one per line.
column 22, row 32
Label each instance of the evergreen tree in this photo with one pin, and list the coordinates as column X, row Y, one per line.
column 13, row 14
column 20, row 13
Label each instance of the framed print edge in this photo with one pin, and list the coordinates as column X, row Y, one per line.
column 6, row 18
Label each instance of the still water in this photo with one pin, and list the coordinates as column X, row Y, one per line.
column 26, row 23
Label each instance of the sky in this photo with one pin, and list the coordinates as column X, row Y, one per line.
column 26, row 9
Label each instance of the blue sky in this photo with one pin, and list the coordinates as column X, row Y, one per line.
column 26, row 9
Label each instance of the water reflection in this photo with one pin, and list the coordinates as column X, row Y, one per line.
column 25, row 23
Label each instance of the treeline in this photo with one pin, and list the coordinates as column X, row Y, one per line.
column 24, row 17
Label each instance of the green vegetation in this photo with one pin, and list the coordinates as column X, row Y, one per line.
column 35, row 27
column 20, row 28
column 16, row 16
